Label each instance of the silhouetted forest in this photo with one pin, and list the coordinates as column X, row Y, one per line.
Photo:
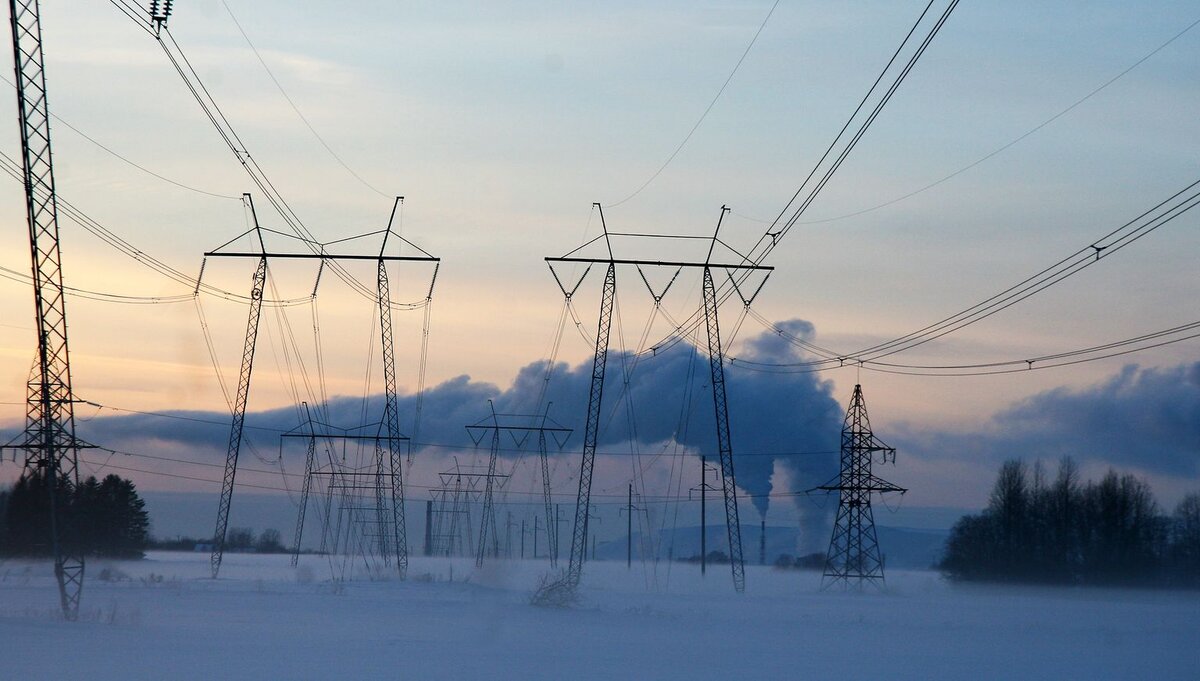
column 1064, row 531
column 100, row 517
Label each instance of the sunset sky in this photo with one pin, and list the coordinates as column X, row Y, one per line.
column 502, row 122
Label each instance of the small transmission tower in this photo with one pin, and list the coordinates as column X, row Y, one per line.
column 519, row 427
column 853, row 558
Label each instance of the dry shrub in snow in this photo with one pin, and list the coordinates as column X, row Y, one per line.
column 554, row 591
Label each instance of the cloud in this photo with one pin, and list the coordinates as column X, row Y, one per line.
column 786, row 420
column 1141, row 419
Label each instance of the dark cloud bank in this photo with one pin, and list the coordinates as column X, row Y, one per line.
column 1144, row 420
column 768, row 412
column 1140, row 419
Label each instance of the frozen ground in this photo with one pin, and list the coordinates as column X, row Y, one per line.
column 162, row 619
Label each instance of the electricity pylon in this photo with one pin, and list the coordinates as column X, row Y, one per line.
column 387, row 457
column 49, row 438
column 853, row 558
column 487, row 519
column 349, row 481
column 717, row 369
column 233, row 447
column 519, row 427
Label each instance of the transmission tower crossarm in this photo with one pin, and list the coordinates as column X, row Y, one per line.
column 662, row 263
column 591, row 430
column 716, row 361
column 323, row 256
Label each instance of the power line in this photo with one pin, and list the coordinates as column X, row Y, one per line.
column 775, row 232
column 771, row 238
column 620, row 497
column 136, row 14
column 1052, row 361
column 1081, row 259
column 21, row 277
column 130, row 162
column 441, row 445
column 1147, row 222
column 92, row 226
column 704, row 115
column 296, row 109
column 199, row 91
column 1004, row 147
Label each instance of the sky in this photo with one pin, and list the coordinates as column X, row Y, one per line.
column 501, row 123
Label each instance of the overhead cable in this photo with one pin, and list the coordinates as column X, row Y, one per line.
column 703, row 115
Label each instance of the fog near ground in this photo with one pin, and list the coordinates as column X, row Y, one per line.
column 163, row 618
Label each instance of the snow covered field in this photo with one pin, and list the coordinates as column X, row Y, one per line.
column 161, row 618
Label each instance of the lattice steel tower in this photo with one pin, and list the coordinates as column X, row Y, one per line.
column 853, row 558
column 49, row 438
column 716, row 359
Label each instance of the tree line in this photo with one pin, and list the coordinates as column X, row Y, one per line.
column 97, row 517
column 237, row 540
column 1065, row 531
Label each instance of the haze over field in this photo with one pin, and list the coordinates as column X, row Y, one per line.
column 267, row 620
column 986, row 235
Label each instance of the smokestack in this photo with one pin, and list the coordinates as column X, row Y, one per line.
column 762, row 543
column 429, row 527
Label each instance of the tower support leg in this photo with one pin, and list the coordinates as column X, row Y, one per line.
column 309, row 460
column 551, row 534
column 49, row 437
column 583, row 500
column 391, row 418
column 716, row 361
column 239, row 415
column 488, row 519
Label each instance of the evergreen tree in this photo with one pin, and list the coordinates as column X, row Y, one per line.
column 27, row 515
column 105, row 518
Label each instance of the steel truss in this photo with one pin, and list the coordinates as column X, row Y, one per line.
column 49, row 438
column 493, row 425
column 390, row 535
column 853, row 557
column 716, row 362
column 343, row 480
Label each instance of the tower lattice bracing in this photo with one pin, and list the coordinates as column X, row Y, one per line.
column 49, row 438
column 487, row 520
column 716, row 361
column 375, row 490
column 854, row 558
column 551, row 535
column 391, row 420
column 233, row 449
column 310, row 457
column 716, row 357
column 519, row 427
column 591, row 430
